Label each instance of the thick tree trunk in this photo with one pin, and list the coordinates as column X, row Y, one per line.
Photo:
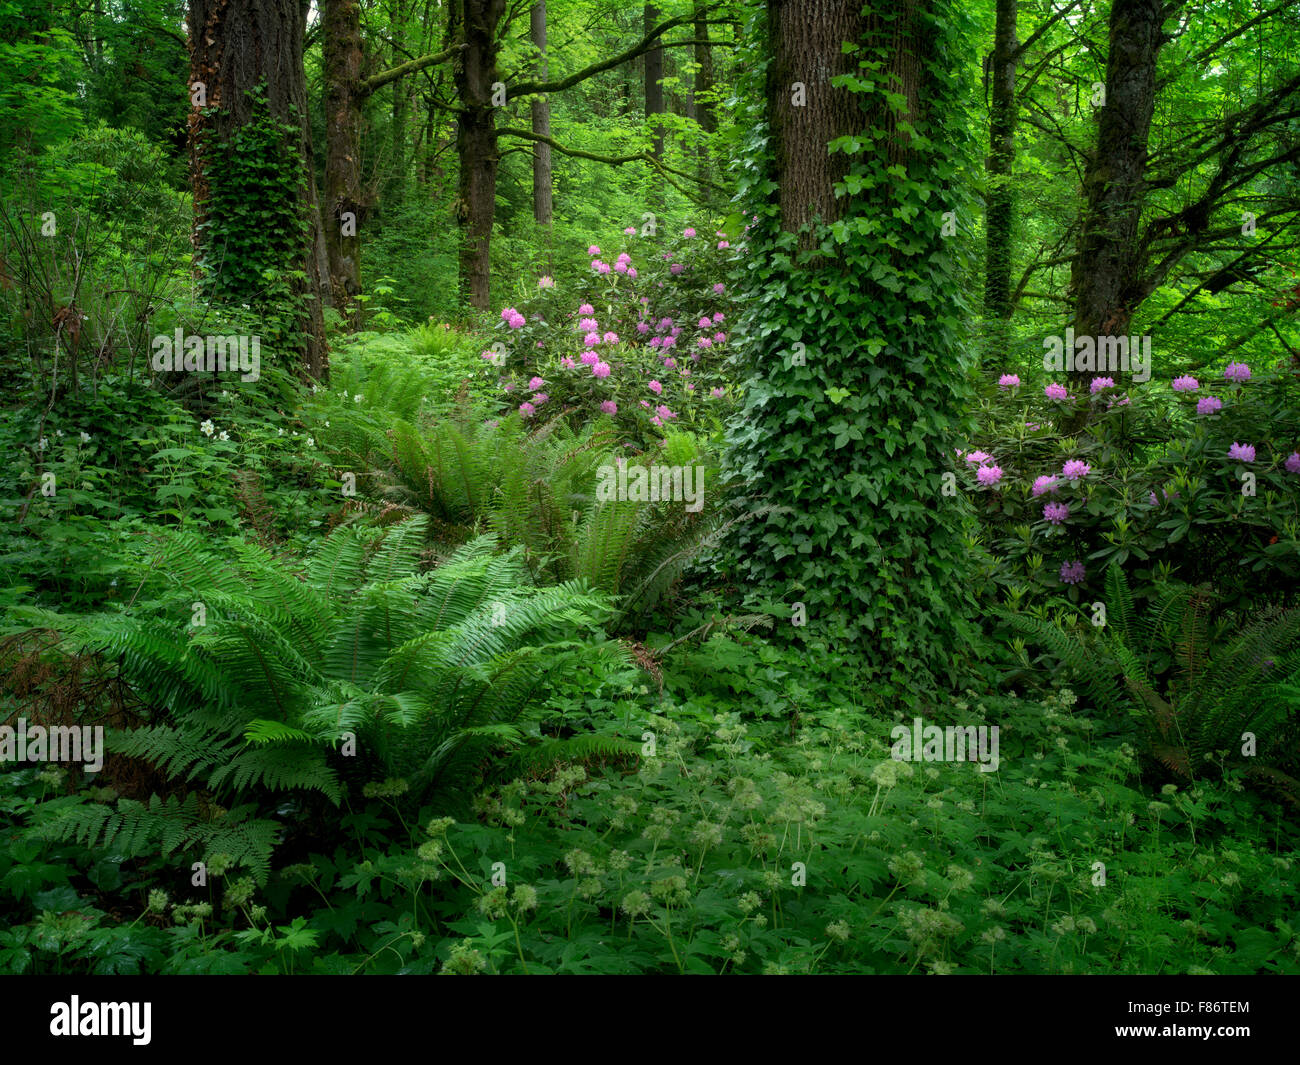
column 235, row 45
column 342, row 209
column 805, row 112
column 704, row 115
column 1106, row 275
column 476, row 142
column 1002, row 155
column 654, row 73
column 541, row 114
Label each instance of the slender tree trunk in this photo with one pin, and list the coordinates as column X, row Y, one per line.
column 1105, row 277
column 342, row 208
column 235, row 45
column 541, row 113
column 476, row 142
column 704, row 115
column 1002, row 155
column 395, row 192
column 654, row 73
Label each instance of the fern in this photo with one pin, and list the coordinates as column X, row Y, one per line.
column 1194, row 698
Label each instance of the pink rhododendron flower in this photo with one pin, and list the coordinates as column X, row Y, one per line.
column 978, row 456
column 535, row 383
column 1098, row 383
column 655, row 387
column 704, row 342
column 591, row 340
column 664, row 412
column 643, row 328
column 1046, row 483
column 593, row 250
column 719, row 289
column 716, row 393
column 1055, row 391
column 589, row 358
column 719, row 317
column 1244, row 452
column 620, row 268
column 1075, row 469
column 719, row 338
column 1208, row 404
column 1186, row 384
column 609, row 407
column 988, row 475
column 586, row 308
column 611, row 338
column 526, row 410
column 676, row 269
column 1293, row 462
column 601, row 369
column 630, row 231
column 1056, row 512
column 1008, row 380
column 1237, row 371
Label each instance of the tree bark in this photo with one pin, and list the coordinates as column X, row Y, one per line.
column 654, row 73
column 475, row 71
column 1002, row 155
column 343, row 194
column 541, row 115
column 1106, row 274
column 805, row 112
column 704, row 115
column 234, row 46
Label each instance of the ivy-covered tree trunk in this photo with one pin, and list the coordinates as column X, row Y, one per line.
column 342, row 210
column 243, row 51
column 474, row 68
column 1106, row 275
column 805, row 111
column 857, row 361
column 1002, row 156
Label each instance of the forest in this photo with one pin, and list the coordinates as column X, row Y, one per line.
column 768, row 487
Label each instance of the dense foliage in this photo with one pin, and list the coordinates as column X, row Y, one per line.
column 634, row 547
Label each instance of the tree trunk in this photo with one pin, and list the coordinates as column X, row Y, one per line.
column 654, row 73
column 704, row 115
column 1002, row 155
column 395, row 190
column 805, row 112
column 476, row 142
column 235, row 45
column 1106, row 274
column 541, row 113
column 342, row 209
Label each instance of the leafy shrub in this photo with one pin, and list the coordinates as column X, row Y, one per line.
column 1153, row 486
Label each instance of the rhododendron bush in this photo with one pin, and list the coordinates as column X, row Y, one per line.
column 640, row 342
column 1196, row 480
